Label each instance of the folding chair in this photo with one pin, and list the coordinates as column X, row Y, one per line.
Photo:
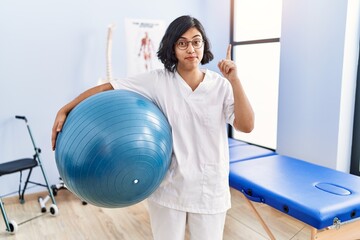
column 26, row 164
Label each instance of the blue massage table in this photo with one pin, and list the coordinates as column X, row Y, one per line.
column 248, row 151
column 235, row 142
column 328, row 201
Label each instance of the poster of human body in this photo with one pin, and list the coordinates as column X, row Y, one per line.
column 143, row 38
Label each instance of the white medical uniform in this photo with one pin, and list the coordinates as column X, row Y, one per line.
column 197, row 179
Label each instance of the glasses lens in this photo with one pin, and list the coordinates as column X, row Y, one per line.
column 182, row 45
column 197, row 43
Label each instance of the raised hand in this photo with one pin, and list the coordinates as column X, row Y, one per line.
column 228, row 67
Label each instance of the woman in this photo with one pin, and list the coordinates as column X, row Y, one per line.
column 197, row 103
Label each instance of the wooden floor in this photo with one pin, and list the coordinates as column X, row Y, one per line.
column 77, row 221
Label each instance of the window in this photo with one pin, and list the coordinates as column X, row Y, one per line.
column 255, row 37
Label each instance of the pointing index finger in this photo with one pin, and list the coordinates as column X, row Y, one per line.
column 228, row 52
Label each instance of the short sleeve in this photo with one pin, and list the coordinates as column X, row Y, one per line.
column 229, row 104
column 143, row 84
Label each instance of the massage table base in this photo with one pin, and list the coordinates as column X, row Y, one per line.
column 259, row 218
column 344, row 231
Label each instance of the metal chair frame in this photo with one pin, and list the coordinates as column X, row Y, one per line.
column 21, row 165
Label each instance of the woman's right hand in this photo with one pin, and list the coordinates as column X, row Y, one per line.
column 58, row 124
column 64, row 111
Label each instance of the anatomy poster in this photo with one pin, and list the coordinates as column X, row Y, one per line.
column 143, row 38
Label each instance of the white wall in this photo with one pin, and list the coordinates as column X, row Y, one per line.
column 216, row 19
column 319, row 48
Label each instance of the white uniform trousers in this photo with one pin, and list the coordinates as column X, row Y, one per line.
column 167, row 223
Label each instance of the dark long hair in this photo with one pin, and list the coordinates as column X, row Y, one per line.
column 175, row 30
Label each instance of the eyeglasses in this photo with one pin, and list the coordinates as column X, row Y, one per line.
column 196, row 43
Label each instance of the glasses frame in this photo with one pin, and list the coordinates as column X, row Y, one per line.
column 188, row 42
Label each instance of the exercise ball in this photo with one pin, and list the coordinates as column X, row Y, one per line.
column 114, row 149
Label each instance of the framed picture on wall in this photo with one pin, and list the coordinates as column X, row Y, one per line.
column 142, row 39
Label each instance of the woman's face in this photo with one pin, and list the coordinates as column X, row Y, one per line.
column 189, row 50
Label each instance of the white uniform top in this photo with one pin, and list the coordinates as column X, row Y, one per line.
column 198, row 177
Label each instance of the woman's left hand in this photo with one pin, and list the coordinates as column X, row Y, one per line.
column 228, row 67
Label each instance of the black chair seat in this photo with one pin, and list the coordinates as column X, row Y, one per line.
column 17, row 165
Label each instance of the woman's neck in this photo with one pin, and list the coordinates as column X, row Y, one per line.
column 193, row 78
